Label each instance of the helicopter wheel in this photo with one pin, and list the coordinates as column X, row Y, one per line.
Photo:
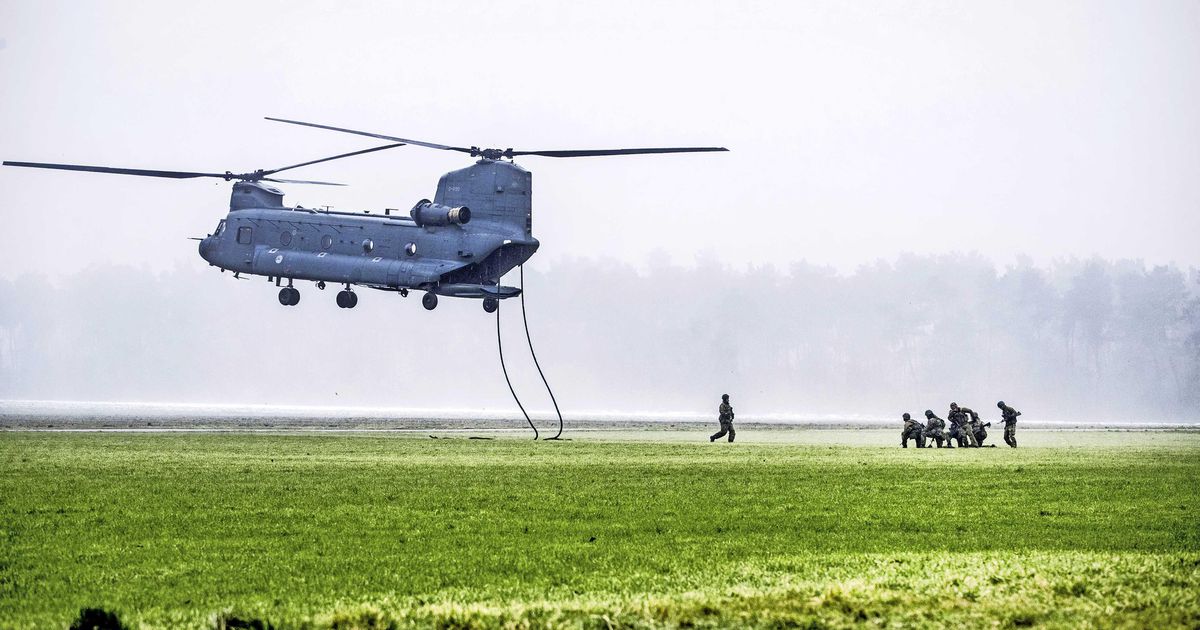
column 429, row 301
column 289, row 296
column 490, row 305
column 347, row 299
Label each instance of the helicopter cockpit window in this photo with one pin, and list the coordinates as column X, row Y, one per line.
column 245, row 235
column 220, row 228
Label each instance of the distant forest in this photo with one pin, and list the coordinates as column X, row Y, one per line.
column 1077, row 340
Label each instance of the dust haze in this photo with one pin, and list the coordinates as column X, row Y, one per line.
column 1082, row 340
column 923, row 202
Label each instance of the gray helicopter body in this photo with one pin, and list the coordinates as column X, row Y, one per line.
column 435, row 247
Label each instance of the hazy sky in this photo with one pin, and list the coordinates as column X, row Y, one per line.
column 857, row 130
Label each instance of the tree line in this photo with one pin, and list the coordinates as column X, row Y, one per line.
column 1073, row 340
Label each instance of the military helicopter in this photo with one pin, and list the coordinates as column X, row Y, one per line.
column 478, row 227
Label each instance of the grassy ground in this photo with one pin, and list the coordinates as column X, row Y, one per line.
column 204, row 530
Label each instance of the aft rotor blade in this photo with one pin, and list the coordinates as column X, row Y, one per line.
column 368, row 134
column 601, row 152
column 336, row 157
column 300, row 181
column 117, row 171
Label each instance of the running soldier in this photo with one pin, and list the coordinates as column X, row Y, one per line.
column 935, row 429
column 725, row 417
column 960, row 427
column 912, row 430
column 1009, row 416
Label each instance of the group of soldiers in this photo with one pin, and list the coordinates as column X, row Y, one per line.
column 965, row 428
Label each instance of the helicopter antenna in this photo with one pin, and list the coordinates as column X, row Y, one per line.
column 252, row 176
column 496, row 154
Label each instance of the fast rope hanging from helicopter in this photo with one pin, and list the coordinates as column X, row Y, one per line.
column 500, row 347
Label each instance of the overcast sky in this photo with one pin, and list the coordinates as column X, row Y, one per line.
column 857, row 130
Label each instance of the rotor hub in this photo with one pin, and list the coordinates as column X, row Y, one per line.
column 492, row 154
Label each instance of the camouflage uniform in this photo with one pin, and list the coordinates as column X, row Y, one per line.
column 912, row 430
column 978, row 429
column 960, row 427
column 725, row 417
column 935, row 429
column 1009, row 416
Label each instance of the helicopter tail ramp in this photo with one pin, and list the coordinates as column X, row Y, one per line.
column 496, row 191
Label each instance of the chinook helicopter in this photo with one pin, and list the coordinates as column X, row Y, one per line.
column 477, row 227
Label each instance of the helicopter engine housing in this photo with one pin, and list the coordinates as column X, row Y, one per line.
column 428, row 213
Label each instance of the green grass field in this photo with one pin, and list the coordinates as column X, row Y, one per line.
column 798, row 529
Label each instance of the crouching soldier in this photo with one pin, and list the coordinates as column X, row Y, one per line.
column 912, row 430
column 935, row 429
column 978, row 429
column 1009, row 416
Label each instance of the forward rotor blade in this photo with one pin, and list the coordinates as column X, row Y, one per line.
column 372, row 135
column 601, row 152
column 117, row 171
column 336, row 157
column 300, row 181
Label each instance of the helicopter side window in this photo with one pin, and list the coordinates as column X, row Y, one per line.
column 245, row 235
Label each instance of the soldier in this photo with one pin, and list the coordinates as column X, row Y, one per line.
column 978, row 428
column 1009, row 416
column 912, row 430
column 725, row 417
column 935, row 429
column 960, row 427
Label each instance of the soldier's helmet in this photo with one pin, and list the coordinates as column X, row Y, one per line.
column 928, row 413
column 906, row 416
column 1000, row 404
column 724, row 396
column 954, row 406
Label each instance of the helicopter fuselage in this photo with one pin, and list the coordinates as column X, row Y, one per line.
column 443, row 247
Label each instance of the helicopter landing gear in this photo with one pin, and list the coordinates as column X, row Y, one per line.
column 490, row 305
column 347, row 299
column 321, row 285
column 429, row 301
column 289, row 296
column 403, row 292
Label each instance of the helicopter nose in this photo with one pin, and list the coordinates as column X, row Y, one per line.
column 206, row 246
